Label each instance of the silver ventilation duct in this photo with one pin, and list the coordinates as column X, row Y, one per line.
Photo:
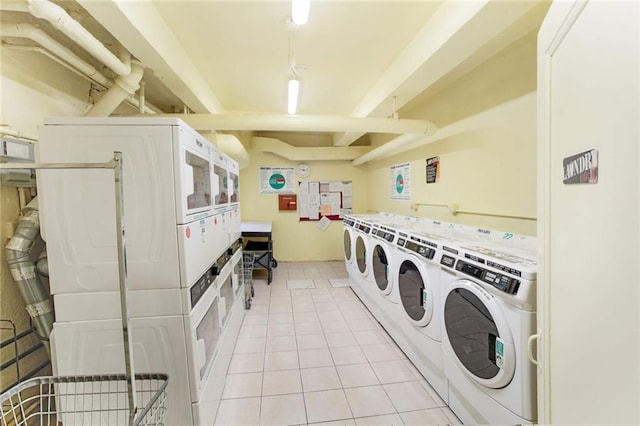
column 23, row 270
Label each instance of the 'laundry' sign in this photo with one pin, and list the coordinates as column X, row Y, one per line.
column 581, row 168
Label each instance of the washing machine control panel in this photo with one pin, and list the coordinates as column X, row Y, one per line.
column 448, row 260
column 424, row 251
column 364, row 228
column 501, row 282
column 349, row 222
column 387, row 236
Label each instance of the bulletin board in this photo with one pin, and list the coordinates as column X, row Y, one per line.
column 330, row 199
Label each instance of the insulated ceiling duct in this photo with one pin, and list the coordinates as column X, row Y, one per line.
column 231, row 145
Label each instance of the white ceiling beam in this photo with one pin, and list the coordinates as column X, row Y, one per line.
column 492, row 118
column 303, row 123
column 139, row 27
column 323, row 153
column 453, row 34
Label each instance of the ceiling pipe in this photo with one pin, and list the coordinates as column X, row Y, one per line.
column 61, row 20
column 14, row 6
column 35, row 34
column 48, row 54
column 8, row 131
column 63, row 56
column 123, row 86
column 325, row 153
column 303, row 123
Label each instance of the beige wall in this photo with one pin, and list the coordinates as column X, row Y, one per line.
column 489, row 164
column 31, row 88
column 294, row 240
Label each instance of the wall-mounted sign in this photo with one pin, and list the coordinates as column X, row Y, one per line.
column 401, row 182
column 581, row 168
column 277, row 180
column 433, row 169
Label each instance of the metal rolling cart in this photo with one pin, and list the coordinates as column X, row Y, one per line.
column 248, row 259
column 93, row 399
column 259, row 241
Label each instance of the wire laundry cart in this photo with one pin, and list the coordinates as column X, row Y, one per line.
column 248, row 259
column 84, row 400
column 106, row 399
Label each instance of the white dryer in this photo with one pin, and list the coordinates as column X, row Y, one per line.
column 488, row 315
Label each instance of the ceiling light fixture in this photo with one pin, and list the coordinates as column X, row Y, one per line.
column 299, row 11
column 292, row 99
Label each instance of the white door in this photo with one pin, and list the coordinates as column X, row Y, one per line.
column 588, row 295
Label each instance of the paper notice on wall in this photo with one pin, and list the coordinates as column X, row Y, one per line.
column 335, row 186
column 324, row 223
column 314, row 188
column 303, row 205
column 334, row 202
column 314, row 206
column 347, row 190
column 277, row 180
column 303, row 188
column 401, row 182
column 347, row 202
column 325, row 209
column 325, row 186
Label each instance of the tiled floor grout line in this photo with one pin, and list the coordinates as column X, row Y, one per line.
column 276, row 291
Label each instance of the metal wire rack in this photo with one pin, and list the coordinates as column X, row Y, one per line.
column 107, row 399
column 248, row 259
column 84, row 400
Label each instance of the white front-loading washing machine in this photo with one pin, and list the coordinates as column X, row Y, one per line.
column 362, row 246
column 380, row 261
column 362, row 278
column 415, row 322
column 348, row 244
column 488, row 315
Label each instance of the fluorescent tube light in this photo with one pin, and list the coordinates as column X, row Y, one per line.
column 299, row 11
column 292, row 100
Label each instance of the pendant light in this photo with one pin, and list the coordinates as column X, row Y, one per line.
column 299, row 11
column 292, row 98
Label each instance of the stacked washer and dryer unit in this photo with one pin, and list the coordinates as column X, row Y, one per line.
column 182, row 224
column 460, row 302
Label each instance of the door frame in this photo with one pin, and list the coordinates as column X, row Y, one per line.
column 559, row 20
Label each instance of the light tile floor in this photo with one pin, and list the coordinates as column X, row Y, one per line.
column 317, row 356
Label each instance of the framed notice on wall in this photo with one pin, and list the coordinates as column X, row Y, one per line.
column 401, row 182
column 433, row 169
column 330, row 199
column 277, row 180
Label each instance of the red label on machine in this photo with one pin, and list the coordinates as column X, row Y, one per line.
column 188, row 232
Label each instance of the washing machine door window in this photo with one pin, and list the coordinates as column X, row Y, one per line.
column 347, row 245
column 416, row 293
column 478, row 335
column 361, row 254
column 380, row 266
